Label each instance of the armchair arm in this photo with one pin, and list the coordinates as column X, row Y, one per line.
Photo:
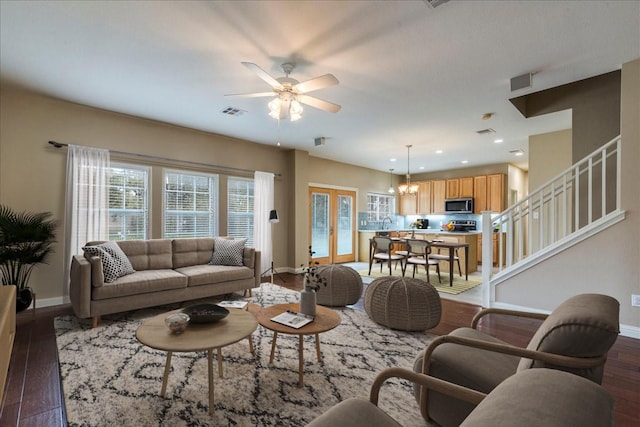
column 515, row 313
column 80, row 286
column 552, row 358
column 427, row 381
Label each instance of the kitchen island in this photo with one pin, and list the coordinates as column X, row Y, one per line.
column 470, row 237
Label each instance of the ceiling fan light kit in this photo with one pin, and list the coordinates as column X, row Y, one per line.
column 291, row 94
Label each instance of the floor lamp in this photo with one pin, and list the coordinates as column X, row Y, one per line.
column 273, row 218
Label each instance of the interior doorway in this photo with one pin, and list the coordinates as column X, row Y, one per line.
column 332, row 225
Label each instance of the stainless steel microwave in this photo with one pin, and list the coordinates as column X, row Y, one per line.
column 464, row 205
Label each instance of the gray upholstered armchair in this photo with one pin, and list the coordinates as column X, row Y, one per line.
column 575, row 337
column 531, row 398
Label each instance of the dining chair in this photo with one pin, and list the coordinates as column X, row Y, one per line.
column 445, row 257
column 382, row 251
column 418, row 254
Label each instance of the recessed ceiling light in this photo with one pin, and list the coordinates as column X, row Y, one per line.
column 517, row 152
column 439, row 151
column 497, row 141
column 421, row 168
column 464, row 162
column 392, row 160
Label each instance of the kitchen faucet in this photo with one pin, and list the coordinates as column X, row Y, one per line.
column 384, row 219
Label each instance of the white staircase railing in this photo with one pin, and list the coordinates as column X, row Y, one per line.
column 577, row 199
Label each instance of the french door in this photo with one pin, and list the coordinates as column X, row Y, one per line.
column 332, row 231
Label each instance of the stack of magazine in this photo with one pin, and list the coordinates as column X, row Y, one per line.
column 293, row 319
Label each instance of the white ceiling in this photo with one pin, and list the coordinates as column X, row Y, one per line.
column 409, row 73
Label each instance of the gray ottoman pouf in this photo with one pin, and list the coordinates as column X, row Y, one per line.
column 403, row 303
column 344, row 286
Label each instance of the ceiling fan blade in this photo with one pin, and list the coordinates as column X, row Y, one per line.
column 263, row 75
column 317, row 83
column 319, row 103
column 253, row 95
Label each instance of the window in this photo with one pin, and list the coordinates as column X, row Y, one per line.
column 380, row 206
column 128, row 202
column 240, row 208
column 190, row 205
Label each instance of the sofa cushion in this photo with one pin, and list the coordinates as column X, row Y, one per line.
column 152, row 254
column 114, row 261
column 188, row 252
column 544, row 397
column 141, row 282
column 207, row 274
column 228, row 252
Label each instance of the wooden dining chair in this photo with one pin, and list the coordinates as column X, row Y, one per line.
column 382, row 251
column 445, row 257
column 419, row 251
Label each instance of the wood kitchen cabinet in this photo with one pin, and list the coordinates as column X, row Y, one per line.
column 459, row 187
column 494, row 247
column 488, row 193
column 424, row 198
column 438, row 194
column 408, row 204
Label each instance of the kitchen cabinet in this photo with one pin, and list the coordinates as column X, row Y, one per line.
column 424, row 198
column 409, row 204
column 495, row 192
column 494, row 247
column 488, row 193
column 466, row 186
column 459, row 187
column 438, row 194
column 453, row 188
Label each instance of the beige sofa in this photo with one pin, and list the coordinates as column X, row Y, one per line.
column 166, row 271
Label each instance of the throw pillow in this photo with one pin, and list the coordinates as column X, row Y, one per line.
column 114, row 261
column 227, row 252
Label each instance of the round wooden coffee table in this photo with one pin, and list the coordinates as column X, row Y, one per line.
column 325, row 320
column 239, row 324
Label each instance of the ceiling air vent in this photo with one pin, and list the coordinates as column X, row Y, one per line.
column 231, row 111
column 485, row 131
column 435, row 3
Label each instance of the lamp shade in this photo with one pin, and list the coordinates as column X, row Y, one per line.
column 273, row 216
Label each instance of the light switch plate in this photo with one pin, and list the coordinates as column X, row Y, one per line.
column 635, row 300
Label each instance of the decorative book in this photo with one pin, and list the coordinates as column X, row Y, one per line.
column 233, row 304
column 293, row 319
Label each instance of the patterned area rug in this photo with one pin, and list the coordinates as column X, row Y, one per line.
column 460, row 285
column 111, row 379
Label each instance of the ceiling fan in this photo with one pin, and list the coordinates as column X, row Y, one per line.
column 289, row 92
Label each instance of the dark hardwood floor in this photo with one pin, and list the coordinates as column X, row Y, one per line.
column 33, row 396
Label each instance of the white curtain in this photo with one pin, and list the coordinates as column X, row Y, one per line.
column 262, row 205
column 87, row 208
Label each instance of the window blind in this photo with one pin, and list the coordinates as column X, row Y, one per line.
column 190, row 205
column 128, row 202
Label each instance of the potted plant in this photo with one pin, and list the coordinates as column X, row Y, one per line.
column 26, row 239
column 311, row 284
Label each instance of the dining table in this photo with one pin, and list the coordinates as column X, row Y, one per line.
column 451, row 246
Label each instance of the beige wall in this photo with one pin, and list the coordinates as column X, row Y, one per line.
column 607, row 262
column 550, row 154
column 32, row 173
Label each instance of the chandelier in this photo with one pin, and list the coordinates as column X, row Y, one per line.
column 284, row 103
column 408, row 188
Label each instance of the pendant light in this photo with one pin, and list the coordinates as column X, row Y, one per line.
column 408, row 188
column 391, row 189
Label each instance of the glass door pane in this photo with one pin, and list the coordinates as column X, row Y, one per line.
column 345, row 225
column 320, row 225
